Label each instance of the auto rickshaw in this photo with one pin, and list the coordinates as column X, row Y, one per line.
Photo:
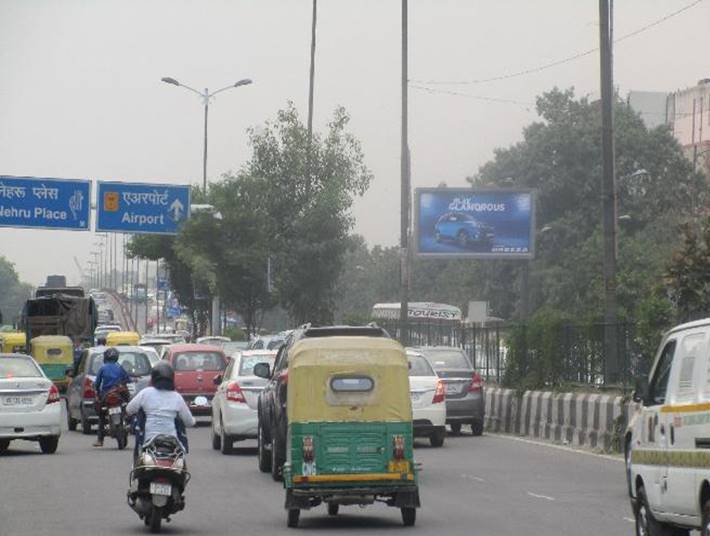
column 13, row 342
column 349, row 426
column 54, row 353
column 122, row 338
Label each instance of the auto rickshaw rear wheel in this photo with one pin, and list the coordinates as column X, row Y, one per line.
column 293, row 515
column 409, row 516
column 456, row 428
column 333, row 509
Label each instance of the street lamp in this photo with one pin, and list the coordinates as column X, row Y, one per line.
column 206, row 96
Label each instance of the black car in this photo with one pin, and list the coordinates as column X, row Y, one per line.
column 271, row 432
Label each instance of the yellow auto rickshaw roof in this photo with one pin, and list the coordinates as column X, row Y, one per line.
column 122, row 335
column 314, row 363
column 51, row 340
column 13, row 337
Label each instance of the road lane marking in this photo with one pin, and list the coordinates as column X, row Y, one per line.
column 473, row 477
column 609, row 457
column 547, row 498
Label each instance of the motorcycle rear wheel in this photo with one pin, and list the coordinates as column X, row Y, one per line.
column 155, row 520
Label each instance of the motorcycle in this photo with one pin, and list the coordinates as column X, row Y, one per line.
column 157, row 481
column 113, row 405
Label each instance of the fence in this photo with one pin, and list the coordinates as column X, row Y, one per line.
column 532, row 356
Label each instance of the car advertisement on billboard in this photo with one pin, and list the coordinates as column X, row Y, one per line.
column 469, row 223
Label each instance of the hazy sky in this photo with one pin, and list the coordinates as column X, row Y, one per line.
column 81, row 97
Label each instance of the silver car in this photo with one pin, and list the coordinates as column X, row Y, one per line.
column 465, row 399
column 235, row 404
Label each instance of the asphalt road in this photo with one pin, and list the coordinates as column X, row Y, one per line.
column 487, row 486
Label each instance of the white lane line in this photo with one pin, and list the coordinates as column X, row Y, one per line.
column 630, row 519
column 609, row 457
column 547, row 498
column 473, row 477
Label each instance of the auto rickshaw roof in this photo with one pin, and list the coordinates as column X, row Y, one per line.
column 46, row 340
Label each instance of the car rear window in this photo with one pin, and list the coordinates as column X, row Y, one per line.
column 135, row 363
column 419, row 366
column 246, row 365
column 15, row 367
column 448, row 359
column 352, row 384
column 190, row 361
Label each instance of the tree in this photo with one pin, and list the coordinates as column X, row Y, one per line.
column 687, row 278
column 14, row 292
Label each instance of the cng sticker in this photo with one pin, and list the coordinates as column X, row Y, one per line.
column 111, row 201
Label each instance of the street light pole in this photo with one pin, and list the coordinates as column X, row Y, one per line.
column 204, row 157
column 404, row 199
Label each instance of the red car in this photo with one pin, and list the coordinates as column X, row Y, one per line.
column 196, row 367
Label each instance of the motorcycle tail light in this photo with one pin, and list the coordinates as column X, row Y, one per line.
column 88, row 388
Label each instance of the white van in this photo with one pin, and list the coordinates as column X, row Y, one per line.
column 670, row 452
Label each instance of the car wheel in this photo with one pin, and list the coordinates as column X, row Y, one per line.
column 409, row 516
column 216, row 442
column 705, row 525
column 4, row 445
column 156, row 518
column 437, row 438
column 48, row 445
column 275, row 460
column 477, row 428
column 226, row 441
column 462, row 239
column 627, row 463
column 85, row 425
column 71, row 422
column 646, row 524
column 293, row 515
column 456, row 428
column 333, row 509
column 262, row 453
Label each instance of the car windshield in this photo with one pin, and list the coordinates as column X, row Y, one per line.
column 18, row 367
column 247, row 363
column 419, row 366
column 191, row 361
column 447, row 359
column 135, row 363
column 275, row 344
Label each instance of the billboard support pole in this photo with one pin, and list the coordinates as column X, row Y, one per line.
column 404, row 164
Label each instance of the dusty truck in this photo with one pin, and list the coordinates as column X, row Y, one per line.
column 60, row 314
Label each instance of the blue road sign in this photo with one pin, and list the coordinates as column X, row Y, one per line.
column 125, row 207
column 45, row 203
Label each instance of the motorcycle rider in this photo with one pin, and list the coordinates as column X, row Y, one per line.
column 165, row 409
column 110, row 376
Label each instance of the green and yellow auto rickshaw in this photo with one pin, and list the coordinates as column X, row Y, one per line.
column 349, row 438
column 54, row 353
column 13, row 342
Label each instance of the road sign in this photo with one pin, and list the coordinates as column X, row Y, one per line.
column 44, row 203
column 125, row 207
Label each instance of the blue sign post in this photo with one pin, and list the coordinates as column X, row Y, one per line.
column 474, row 224
column 45, row 203
column 123, row 207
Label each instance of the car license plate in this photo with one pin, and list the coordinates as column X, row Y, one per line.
column 398, row 467
column 452, row 389
column 114, row 410
column 17, row 401
column 160, row 489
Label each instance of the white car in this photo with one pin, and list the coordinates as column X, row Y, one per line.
column 30, row 407
column 235, row 404
column 428, row 400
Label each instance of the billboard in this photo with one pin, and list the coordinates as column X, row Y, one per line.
column 476, row 224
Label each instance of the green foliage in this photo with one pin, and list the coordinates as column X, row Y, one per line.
column 688, row 275
column 13, row 293
column 236, row 334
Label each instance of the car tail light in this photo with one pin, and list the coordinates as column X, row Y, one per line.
column 234, row 393
column 476, row 383
column 398, row 447
column 53, row 395
column 88, row 388
column 308, row 450
column 440, row 394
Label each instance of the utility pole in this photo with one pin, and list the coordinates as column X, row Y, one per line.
column 611, row 348
column 404, row 201
column 204, row 154
column 313, row 70
column 695, row 145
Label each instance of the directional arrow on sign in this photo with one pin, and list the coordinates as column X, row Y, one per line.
column 176, row 208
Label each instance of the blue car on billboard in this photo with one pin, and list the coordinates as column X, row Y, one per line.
column 463, row 229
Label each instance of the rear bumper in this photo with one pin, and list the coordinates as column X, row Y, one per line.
column 240, row 420
column 406, row 495
column 425, row 428
column 434, row 414
column 32, row 425
column 199, row 411
column 465, row 410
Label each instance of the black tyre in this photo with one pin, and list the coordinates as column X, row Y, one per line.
column 48, row 445
column 155, row 520
column 627, row 463
column 275, row 460
column 705, row 524
column 262, row 454
column 477, row 428
column 437, row 438
column 85, row 425
column 71, row 422
column 216, row 442
column 333, row 509
column 409, row 516
column 122, row 439
column 293, row 516
column 456, row 428
column 646, row 524
column 227, row 443
column 4, row 444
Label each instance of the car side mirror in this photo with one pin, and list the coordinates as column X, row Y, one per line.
column 262, row 370
column 636, row 397
column 217, row 379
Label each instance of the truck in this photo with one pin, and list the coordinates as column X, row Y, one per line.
column 57, row 284
column 59, row 313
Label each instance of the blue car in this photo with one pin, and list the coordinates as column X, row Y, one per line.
column 464, row 229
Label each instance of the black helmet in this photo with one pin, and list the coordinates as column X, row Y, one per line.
column 110, row 355
column 163, row 376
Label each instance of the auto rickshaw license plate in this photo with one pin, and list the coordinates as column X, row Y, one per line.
column 160, row 489
column 399, row 467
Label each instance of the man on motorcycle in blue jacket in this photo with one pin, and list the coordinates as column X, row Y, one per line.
column 110, row 376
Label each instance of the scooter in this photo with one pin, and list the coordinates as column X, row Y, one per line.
column 113, row 406
column 157, row 481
